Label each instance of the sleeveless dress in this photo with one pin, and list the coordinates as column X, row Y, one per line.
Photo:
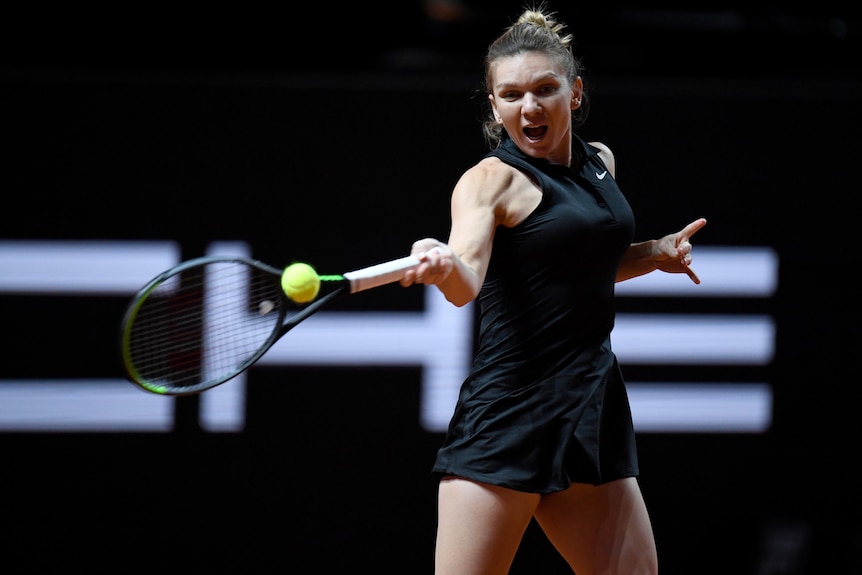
column 545, row 404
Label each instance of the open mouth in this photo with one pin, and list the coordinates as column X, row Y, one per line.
column 535, row 133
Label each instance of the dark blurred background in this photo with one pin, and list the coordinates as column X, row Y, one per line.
column 338, row 131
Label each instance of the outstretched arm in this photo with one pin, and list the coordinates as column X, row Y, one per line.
column 458, row 268
column 671, row 254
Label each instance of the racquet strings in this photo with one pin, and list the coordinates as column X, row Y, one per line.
column 203, row 325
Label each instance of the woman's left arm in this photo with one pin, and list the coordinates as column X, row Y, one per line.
column 671, row 254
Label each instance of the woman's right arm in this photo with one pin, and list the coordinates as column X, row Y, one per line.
column 458, row 267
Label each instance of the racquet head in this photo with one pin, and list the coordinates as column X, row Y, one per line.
column 202, row 323
column 207, row 320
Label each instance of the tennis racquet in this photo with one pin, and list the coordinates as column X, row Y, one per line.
column 206, row 320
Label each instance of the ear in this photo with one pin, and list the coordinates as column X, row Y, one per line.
column 494, row 109
column 577, row 93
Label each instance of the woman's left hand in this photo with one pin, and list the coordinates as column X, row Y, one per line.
column 672, row 253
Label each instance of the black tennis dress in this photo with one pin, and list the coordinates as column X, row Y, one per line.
column 545, row 404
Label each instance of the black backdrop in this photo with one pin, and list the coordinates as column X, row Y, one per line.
column 350, row 163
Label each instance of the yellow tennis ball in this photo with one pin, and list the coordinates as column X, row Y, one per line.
column 300, row 282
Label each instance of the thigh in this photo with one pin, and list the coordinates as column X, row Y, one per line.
column 600, row 530
column 479, row 527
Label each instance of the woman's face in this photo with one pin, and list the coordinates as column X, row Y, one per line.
column 533, row 100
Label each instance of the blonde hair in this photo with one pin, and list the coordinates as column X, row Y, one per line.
column 536, row 30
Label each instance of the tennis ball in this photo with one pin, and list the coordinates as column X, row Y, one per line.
column 300, row 282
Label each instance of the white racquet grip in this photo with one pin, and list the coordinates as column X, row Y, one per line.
column 380, row 274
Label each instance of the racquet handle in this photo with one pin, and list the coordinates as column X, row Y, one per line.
column 380, row 274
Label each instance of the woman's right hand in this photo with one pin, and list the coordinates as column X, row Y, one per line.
column 436, row 261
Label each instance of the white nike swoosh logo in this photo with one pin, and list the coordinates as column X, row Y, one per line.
column 602, row 175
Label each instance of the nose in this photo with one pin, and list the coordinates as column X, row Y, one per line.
column 531, row 104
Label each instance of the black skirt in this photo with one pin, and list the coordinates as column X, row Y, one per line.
column 542, row 437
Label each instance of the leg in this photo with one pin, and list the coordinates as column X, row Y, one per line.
column 601, row 530
column 479, row 527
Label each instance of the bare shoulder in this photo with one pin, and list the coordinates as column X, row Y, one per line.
column 487, row 181
column 492, row 184
column 490, row 171
column 607, row 156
